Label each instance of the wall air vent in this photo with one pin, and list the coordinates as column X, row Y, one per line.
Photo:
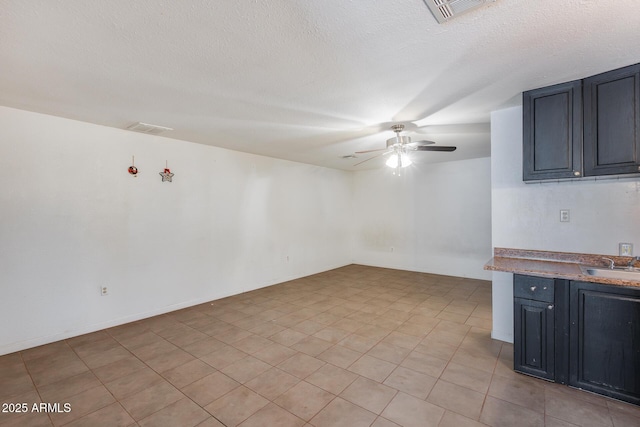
column 446, row 10
column 147, row 128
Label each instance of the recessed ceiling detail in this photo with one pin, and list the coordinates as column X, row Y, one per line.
column 446, row 10
column 147, row 128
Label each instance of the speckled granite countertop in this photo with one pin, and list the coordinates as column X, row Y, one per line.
column 561, row 265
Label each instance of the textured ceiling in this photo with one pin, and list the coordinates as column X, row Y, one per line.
column 308, row 81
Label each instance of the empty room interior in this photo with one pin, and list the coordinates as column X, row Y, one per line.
column 320, row 214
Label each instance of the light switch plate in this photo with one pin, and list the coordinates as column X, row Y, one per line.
column 564, row 215
column 625, row 249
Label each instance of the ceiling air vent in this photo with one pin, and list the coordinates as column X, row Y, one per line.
column 147, row 128
column 446, row 10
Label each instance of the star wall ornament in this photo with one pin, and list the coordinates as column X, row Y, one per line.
column 166, row 175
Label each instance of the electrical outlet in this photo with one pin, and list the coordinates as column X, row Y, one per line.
column 625, row 249
column 564, row 215
column 104, row 291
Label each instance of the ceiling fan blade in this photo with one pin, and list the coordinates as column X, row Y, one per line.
column 435, row 148
column 374, row 157
column 370, row 151
column 415, row 144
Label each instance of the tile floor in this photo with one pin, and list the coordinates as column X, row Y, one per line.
column 355, row 346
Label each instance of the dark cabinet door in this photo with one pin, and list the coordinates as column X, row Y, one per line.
column 612, row 122
column 605, row 340
column 552, row 132
column 534, row 341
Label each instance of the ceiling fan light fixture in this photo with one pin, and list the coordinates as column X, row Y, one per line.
column 396, row 160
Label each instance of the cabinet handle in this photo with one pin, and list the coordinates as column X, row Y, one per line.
column 576, row 173
column 533, row 288
column 550, row 307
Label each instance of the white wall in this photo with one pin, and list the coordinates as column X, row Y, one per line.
column 434, row 218
column 72, row 219
column 527, row 216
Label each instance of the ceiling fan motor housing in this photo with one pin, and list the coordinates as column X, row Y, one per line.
column 394, row 140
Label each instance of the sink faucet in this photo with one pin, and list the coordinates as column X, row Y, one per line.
column 632, row 261
column 612, row 263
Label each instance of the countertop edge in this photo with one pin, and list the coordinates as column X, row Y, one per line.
column 550, row 269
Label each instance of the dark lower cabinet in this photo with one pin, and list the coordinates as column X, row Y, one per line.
column 583, row 334
column 535, row 326
column 605, row 340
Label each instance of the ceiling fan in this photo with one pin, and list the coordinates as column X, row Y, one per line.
column 399, row 146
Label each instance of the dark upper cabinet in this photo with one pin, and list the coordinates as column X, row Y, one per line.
column 589, row 127
column 612, row 122
column 605, row 340
column 552, row 132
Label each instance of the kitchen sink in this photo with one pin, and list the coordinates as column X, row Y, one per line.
column 622, row 273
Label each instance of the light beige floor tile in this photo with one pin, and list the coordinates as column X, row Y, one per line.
column 383, row 422
column 210, row 388
column 133, row 383
column 245, row 369
column 331, row 378
column 358, row 343
column 470, row 378
column 425, row 364
column 183, row 375
column 301, row 365
column 409, row 411
column 273, row 415
column 341, row 413
column 61, row 390
column 372, row 368
column 274, row 354
column 83, row 404
column 451, row 419
column 411, row 382
column 457, row 399
column 304, row 400
column 288, row 337
column 475, row 360
column 112, row 415
column 339, row 356
column 235, row 407
column 521, row 390
column 252, row 344
column 389, row 352
column 272, row 383
column 369, row 394
column 145, row 402
column 184, row 413
column 224, row 357
column 499, row 413
column 576, row 411
column 311, row 345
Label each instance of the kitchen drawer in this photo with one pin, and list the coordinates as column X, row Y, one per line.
column 533, row 288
